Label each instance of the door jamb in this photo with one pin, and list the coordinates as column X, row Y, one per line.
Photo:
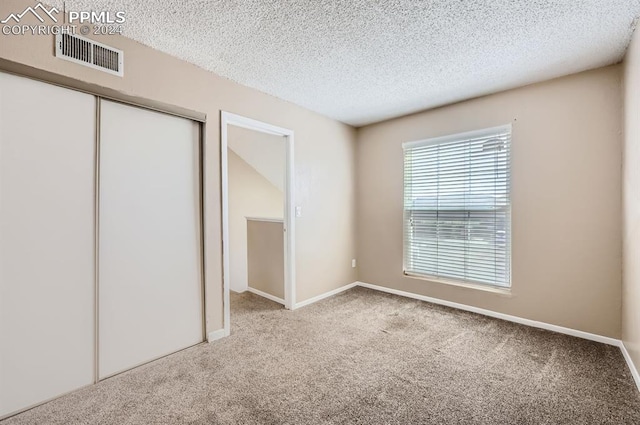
column 227, row 119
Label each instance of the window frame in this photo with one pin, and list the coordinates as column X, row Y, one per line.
column 460, row 137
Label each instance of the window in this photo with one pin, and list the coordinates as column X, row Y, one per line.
column 457, row 208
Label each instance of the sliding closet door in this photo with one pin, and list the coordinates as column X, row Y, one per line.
column 47, row 244
column 150, row 282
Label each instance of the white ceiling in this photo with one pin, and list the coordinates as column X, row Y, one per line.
column 264, row 152
column 363, row 61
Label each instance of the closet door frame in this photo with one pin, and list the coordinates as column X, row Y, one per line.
column 99, row 93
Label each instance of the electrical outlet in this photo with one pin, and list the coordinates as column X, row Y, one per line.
column 353, row 262
column 298, row 211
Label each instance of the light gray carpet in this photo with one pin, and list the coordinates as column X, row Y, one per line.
column 364, row 357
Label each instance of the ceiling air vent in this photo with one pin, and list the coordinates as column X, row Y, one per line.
column 90, row 53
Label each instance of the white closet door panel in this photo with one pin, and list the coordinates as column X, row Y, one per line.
column 47, row 245
column 150, row 283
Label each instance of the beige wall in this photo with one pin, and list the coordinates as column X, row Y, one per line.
column 566, row 206
column 265, row 258
column 631, row 202
column 324, row 152
column 250, row 195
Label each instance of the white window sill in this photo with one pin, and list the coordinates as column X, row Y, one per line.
column 477, row 286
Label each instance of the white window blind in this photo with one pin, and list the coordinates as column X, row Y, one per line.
column 457, row 221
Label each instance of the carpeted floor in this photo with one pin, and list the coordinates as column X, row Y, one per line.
column 364, row 357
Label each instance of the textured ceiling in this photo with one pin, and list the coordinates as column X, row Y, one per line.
column 364, row 61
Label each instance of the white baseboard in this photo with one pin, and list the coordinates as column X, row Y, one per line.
column 216, row 335
column 507, row 317
column 632, row 367
column 325, row 295
column 265, row 295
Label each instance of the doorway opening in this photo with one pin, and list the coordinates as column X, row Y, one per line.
column 257, row 211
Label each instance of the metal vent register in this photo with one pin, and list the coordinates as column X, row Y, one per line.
column 90, row 53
